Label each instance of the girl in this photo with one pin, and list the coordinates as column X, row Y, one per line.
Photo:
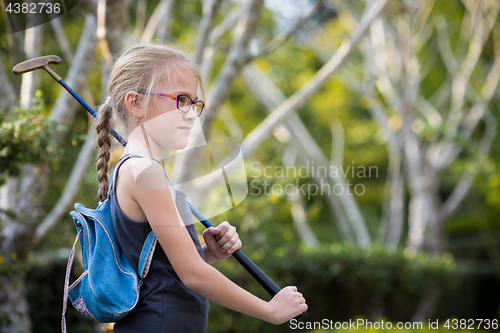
column 153, row 91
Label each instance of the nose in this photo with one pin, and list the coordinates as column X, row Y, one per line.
column 191, row 114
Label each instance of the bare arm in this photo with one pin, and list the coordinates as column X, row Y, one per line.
column 159, row 207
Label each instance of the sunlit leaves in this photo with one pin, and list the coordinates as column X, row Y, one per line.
column 27, row 136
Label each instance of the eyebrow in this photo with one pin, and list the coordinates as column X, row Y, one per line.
column 181, row 92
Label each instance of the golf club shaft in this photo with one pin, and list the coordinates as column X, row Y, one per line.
column 268, row 284
column 90, row 110
column 265, row 281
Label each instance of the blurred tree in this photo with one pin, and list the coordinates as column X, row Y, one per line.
column 427, row 72
column 25, row 196
column 429, row 131
column 106, row 25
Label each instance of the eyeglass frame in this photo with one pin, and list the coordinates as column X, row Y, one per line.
column 174, row 96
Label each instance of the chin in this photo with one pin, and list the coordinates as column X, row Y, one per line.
column 179, row 145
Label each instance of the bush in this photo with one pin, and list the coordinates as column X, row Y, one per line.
column 45, row 287
column 27, row 136
column 340, row 282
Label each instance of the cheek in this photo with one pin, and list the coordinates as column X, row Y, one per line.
column 163, row 129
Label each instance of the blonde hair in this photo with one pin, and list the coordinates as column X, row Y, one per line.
column 142, row 67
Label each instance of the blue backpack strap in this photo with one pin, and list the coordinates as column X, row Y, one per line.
column 149, row 246
column 146, row 255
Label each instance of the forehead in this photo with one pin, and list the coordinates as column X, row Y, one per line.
column 181, row 80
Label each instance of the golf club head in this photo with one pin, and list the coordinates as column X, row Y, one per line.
column 37, row 63
column 34, row 64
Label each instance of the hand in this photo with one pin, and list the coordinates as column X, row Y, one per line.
column 286, row 304
column 225, row 242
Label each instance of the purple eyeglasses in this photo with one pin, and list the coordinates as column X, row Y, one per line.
column 184, row 102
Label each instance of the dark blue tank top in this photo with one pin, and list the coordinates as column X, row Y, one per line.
column 165, row 303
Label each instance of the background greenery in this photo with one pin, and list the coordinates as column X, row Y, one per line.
column 339, row 280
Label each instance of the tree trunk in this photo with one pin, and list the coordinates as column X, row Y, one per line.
column 221, row 88
column 15, row 241
column 14, row 310
column 25, row 195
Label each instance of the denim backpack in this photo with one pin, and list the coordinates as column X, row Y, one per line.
column 108, row 288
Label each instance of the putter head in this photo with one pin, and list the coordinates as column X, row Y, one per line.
column 34, row 64
column 37, row 63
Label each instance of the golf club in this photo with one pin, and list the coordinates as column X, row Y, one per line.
column 43, row 62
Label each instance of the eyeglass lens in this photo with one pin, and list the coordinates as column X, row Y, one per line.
column 184, row 104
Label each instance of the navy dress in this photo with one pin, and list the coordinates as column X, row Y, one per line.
column 165, row 303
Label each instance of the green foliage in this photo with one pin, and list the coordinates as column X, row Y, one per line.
column 340, row 282
column 11, row 269
column 10, row 264
column 27, row 136
column 45, row 287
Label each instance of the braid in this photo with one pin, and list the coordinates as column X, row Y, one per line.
column 103, row 128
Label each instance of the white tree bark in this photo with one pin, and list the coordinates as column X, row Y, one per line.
column 255, row 137
column 112, row 20
column 70, row 189
column 210, row 10
column 65, row 106
column 303, row 142
column 216, row 33
column 219, row 91
column 32, row 43
column 26, row 194
column 297, row 206
column 15, row 241
column 159, row 21
column 394, row 71
column 252, row 140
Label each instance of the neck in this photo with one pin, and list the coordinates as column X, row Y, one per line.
column 139, row 141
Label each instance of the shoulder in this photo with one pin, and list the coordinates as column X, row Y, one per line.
column 143, row 173
column 146, row 183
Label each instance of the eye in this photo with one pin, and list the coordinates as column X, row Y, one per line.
column 184, row 101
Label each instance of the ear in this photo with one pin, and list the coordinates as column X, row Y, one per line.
column 134, row 103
